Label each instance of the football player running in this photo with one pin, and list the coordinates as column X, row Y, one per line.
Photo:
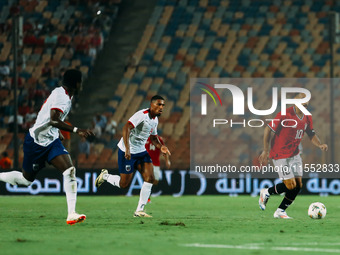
column 132, row 154
column 285, row 155
column 43, row 143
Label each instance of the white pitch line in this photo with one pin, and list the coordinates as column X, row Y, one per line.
column 305, row 249
column 294, row 244
column 253, row 244
column 316, row 243
column 224, row 246
column 246, row 247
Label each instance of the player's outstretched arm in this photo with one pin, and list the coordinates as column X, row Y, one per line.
column 167, row 161
column 263, row 158
column 126, row 134
column 316, row 141
column 55, row 121
column 155, row 141
column 83, row 132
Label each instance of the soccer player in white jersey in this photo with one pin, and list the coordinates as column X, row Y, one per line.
column 43, row 143
column 132, row 154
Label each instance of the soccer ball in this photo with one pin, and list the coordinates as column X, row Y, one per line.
column 317, row 210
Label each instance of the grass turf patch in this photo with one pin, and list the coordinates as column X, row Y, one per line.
column 37, row 225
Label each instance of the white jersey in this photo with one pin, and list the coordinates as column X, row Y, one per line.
column 42, row 132
column 144, row 126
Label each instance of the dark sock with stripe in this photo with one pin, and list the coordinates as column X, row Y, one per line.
column 278, row 189
column 289, row 198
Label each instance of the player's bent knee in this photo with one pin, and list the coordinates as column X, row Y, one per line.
column 149, row 179
column 290, row 185
column 123, row 185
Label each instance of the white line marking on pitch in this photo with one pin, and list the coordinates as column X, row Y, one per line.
column 246, row 247
column 316, row 243
column 310, row 243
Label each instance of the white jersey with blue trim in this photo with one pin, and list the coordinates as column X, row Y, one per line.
column 144, row 126
column 42, row 132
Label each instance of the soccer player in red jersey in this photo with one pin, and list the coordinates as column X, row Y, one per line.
column 155, row 154
column 288, row 131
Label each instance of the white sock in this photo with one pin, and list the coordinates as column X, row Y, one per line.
column 14, row 178
column 144, row 196
column 113, row 179
column 70, row 187
column 157, row 172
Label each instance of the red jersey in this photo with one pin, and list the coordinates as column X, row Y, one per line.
column 66, row 134
column 5, row 163
column 286, row 140
column 153, row 151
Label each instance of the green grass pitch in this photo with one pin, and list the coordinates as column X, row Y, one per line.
column 184, row 225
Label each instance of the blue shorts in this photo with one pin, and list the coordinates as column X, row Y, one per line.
column 129, row 166
column 36, row 155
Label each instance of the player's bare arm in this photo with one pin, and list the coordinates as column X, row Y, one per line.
column 263, row 159
column 167, row 161
column 155, row 141
column 316, row 141
column 58, row 123
column 126, row 134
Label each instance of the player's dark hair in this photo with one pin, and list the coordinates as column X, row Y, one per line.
column 156, row 97
column 71, row 78
column 5, row 154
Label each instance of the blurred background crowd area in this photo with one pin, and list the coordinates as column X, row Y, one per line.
column 181, row 40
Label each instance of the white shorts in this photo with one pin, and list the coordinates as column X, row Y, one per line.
column 156, row 172
column 289, row 168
